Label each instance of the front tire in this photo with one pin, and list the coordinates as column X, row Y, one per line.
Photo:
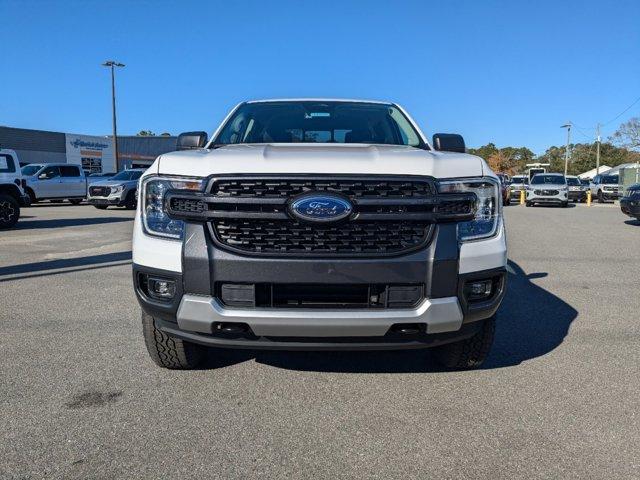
column 9, row 211
column 101, row 207
column 565, row 204
column 169, row 352
column 528, row 204
column 130, row 202
column 32, row 196
column 468, row 353
column 600, row 197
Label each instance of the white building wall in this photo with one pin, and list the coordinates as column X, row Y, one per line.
column 94, row 153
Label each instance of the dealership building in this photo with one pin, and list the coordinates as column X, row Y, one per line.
column 94, row 153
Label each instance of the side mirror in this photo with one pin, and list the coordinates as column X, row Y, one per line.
column 449, row 142
column 192, row 140
column 42, row 176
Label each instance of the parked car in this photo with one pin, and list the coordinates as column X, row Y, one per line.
column 518, row 184
column 605, row 187
column 309, row 224
column 548, row 189
column 630, row 203
column 577, row 191
column 118, row 191
column 504, row 188
column 55, row 181
column 12, row 193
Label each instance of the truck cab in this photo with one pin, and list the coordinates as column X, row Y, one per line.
column 12, row 189
column 55, row 181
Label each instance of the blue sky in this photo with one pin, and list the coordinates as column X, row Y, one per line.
column 510, row 72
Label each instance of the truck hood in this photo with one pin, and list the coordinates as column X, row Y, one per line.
column 113, row 183
column 321, row 159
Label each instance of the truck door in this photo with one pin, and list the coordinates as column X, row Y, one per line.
column 48, row 183
column 73, row 181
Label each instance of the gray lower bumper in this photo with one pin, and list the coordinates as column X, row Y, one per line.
column 198, row 313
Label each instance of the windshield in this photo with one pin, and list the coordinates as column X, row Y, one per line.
column 610, row 179
column 127, row 175
column 519, row 180
column 547, row 179
column 29, row 170
column 318, row 122
column 573, row 181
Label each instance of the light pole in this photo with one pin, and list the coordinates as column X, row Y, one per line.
column 566, row 153
column 112, row 64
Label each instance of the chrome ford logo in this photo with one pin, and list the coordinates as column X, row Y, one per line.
column 315, row 207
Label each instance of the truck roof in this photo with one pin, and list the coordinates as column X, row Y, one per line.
column 320, row 99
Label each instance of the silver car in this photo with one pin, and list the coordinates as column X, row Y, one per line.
column 118, row 191
column 548, row 188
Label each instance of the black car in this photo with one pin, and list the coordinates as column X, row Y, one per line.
column 630, row 203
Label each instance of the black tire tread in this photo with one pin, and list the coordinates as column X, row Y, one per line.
column 468, row 353
column 169, row 352
column 16, row 207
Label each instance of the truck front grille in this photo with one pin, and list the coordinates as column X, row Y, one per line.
column 99, row 191
column 549, row 193
column 251, row 215
column 291, row 237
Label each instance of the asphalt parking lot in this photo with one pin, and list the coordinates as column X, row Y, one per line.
column 558, row 398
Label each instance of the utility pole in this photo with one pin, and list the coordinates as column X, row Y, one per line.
column 566, row 153
column 598, row 149
column 112, row 64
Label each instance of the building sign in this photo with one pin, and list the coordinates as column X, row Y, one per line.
column 95, row 154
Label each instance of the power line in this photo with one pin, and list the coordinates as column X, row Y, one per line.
column 621, row 113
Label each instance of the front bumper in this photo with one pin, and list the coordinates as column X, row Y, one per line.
column 610, row 195
column 630, row 207
column 577, row 195
column 114, row 200
column 558, row 199
column 197, row 314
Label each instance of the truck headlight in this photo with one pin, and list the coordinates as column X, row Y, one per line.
column 155, row 220
column 488, row 206
column 117, row 189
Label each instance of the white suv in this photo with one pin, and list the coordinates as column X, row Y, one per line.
column 548, row 189
column 12, row 185
column 321, row 225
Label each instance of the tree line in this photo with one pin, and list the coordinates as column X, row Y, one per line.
column 622, row 147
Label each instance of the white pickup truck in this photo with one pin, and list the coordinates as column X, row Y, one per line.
column 12, row 189
column 319, row 224
column 55, row 181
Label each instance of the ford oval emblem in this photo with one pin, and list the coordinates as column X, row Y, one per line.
column 316, row 207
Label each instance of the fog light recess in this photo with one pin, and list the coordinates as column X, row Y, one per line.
column 161, row 288
column 479, row 290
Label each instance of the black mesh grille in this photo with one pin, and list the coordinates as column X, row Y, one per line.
column 287, row 237
column 187, row 205
column 352, row 188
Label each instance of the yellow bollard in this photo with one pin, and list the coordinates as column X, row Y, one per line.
column 521, row 197
column 588, row 198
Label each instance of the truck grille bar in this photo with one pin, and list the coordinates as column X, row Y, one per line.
column 391, row 215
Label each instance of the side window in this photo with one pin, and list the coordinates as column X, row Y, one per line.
column 7, row 165
column 50, row 172
column 69, row 171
